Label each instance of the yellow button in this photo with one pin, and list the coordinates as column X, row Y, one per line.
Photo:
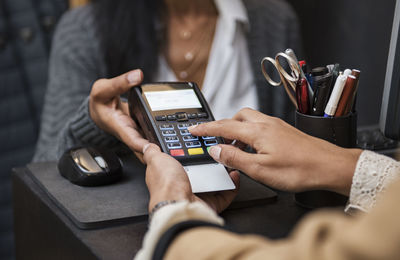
column 195, row 151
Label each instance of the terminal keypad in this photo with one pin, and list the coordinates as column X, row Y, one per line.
column 178, row 139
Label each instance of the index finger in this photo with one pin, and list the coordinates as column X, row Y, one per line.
column 250, row 115
column 228, row 129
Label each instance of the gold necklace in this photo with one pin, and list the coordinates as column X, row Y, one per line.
column 191, row 63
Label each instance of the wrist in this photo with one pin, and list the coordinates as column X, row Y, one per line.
column 168, row 193
column 341, row 167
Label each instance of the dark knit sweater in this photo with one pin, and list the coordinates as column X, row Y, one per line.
column 76, row 62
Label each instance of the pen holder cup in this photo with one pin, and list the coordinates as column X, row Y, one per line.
column 341, row 131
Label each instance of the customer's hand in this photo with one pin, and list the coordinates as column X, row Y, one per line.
column 167, row 180
column 286, row 158
column 112, row 115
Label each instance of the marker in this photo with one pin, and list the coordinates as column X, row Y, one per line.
column 347, row 72
column 347, row 95
column 335, row 96
column 302, row 96
column 352, row 103
column 315, row 72
column 321, row 94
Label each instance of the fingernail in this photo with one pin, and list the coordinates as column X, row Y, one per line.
column 145, row 147
column 215, row 152
column 192, row 127
column 134, row 77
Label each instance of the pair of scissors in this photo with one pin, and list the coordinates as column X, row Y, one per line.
column 288, row 80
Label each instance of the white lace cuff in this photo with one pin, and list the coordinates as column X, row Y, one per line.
column 374, row 172
column 172, row 214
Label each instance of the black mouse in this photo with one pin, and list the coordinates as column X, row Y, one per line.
column 90, row 166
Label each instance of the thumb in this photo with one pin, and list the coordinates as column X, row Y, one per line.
column 235, row 158
column 105, row 89
column 150, row 151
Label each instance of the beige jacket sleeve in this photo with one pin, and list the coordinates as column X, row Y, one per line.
column 323, row 235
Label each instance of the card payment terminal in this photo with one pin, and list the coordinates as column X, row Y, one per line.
column 164, row 111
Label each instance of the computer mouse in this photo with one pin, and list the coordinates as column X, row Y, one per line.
column 90, row 166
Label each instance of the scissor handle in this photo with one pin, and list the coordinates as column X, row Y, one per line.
column 267, row 77
column 294, row 66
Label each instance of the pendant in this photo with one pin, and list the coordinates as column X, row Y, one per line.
column 186, row 35
column 189, row 56
column 183, row 74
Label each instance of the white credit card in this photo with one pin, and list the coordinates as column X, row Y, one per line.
column 209, row 177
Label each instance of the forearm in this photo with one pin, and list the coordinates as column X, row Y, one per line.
column 322, row 235
column 74, row 66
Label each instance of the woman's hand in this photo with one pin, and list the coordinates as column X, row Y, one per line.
column 167, row 180
column 112, row 115
column 286, row 158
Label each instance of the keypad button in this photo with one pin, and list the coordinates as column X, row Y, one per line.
column 181, row 117
column 166, row 127
column 190, row 138
column 174, row 145
column 184, row 126
column 161, row 118
column 185, row 132
column 177, row 152
column 169, row 133
column 202, row 115
column 211, row 142
column 195, row 151
column 192, row 116
column 208, row 137
column 171, row 139
column 171, row 118
column 193, row 144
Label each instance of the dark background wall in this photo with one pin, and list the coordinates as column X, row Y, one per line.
column 354, row 33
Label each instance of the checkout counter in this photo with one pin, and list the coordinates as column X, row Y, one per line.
column 55, row 219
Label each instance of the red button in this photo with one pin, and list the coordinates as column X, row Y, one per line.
column 178, row 152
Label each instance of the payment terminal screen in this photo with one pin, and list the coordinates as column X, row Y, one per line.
column 172, row 99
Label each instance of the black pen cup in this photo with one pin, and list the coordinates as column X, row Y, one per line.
column 341, row 131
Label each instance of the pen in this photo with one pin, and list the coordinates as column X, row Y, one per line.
column 303, row 66
column 352, row 103
column 347, row 95
column 335, row 96
column 302, row 96
column 321, row 94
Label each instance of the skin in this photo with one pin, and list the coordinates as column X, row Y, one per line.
column 198, row 17
column 111, row 114
column 285, row 158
